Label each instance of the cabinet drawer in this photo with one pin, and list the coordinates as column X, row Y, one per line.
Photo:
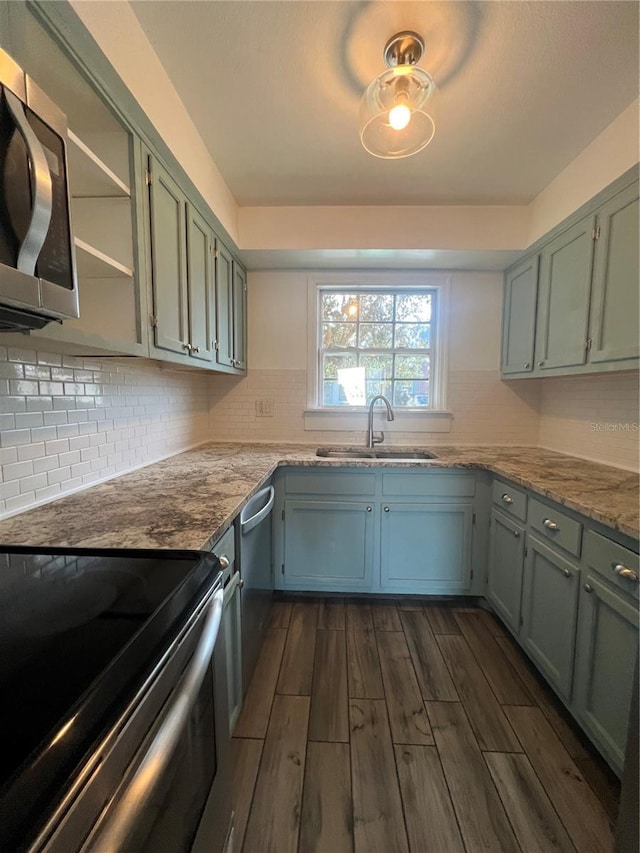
column 429, row 484
column 343, row 482
column 610, row 559
column 510, row 499
column 556, row 526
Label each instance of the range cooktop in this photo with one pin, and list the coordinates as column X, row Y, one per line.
column 79, row 633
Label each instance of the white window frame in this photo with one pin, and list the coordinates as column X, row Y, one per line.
column 432, row 419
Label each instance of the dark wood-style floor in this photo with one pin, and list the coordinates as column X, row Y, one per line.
column 389, row 728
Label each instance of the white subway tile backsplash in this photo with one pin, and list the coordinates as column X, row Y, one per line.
column 67, row 422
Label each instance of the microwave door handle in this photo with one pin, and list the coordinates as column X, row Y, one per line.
column 42, row 199
column 112, row 836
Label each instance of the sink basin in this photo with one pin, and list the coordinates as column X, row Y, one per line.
column 403, row 454
column 328, row 453
column 390, row 453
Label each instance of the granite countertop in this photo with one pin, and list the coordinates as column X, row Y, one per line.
column 187, row 501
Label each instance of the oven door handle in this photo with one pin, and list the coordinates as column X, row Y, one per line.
column 42, row 193
column 112, row 836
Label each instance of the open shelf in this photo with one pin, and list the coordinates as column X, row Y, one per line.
column 89, row 177
column 95, row 264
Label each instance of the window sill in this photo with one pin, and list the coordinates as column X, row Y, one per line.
column 413, row 420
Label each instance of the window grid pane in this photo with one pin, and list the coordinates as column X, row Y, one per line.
column 375, row 342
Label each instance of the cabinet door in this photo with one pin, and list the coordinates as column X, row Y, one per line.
column 607, row 647
column 614, row 313
column 519, row 320
column 549, row 613
column 200, row 286
column 224, row 306
column 239, row 317
column 506, row 564
column 328, row 545
column 233, row 646
column 565, row 287
column 426, row 547
column 168, row 260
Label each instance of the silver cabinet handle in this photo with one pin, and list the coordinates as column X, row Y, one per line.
column 566, row 573
column 241, row 584
column 195, row 349
column 369, row 508
column 224, row 562
column 625, row 572
column 588, row 587
column 116, row 829
column 551, row 525
column 42, row 204
column 507, row 498
column 187, row 347
column 516, row 533
column 541, row 364
column 386, row 509
column 527, row 365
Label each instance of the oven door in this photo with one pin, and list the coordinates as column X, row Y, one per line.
column 164, row 785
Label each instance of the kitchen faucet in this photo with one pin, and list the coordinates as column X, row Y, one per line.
column 372, row 437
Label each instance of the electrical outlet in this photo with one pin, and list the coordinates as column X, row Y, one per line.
column 264, row 408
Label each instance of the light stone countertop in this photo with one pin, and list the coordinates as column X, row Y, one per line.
column 187, row 501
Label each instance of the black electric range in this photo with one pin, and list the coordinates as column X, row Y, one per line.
column 80, row 631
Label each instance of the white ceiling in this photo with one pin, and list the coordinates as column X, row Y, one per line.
column 273, row 88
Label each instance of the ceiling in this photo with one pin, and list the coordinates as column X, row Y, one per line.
column 273, row 88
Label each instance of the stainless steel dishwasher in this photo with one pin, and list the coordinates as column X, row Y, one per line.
column 256, row 572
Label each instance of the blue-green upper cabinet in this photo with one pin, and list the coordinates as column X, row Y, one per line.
column 239, row 317
column 563, row 307
column 168, row 260
column 200, row 286
column 519, row 321
column 616, row 280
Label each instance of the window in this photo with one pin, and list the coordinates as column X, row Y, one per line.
column 376, row 340
column 375, row 333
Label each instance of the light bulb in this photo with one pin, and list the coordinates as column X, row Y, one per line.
column 399, row 116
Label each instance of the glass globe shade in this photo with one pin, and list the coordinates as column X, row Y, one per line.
column 394, row 122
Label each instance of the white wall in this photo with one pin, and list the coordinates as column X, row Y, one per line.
column 485, row 410
column 609, row 155
column 121, row 38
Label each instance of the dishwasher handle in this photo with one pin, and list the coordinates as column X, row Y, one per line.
column 112, row 836
column 247, row 524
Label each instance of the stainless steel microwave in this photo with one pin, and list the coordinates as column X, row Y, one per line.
column 38, row 281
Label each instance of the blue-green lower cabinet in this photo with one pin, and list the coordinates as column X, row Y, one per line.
column 504, row 576
column 328, row 545
column 606, row 655
column 425, row 547
column 549, row 613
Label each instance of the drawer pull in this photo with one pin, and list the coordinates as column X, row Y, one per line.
column 507, row 498
column 551, row 525
column 527, row 365
column 624, row 572
column 516, row 533
column 224, row 562
column 386, row 509
column 566, row 573
column 588, row 587
column 369, row 508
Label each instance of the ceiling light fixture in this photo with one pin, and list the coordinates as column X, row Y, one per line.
column 393, row 119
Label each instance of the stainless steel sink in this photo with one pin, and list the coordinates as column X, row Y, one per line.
column 403, row 454
column 396, row 454
column 328, row 453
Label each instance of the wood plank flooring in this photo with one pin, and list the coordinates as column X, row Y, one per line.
column 403, row 727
